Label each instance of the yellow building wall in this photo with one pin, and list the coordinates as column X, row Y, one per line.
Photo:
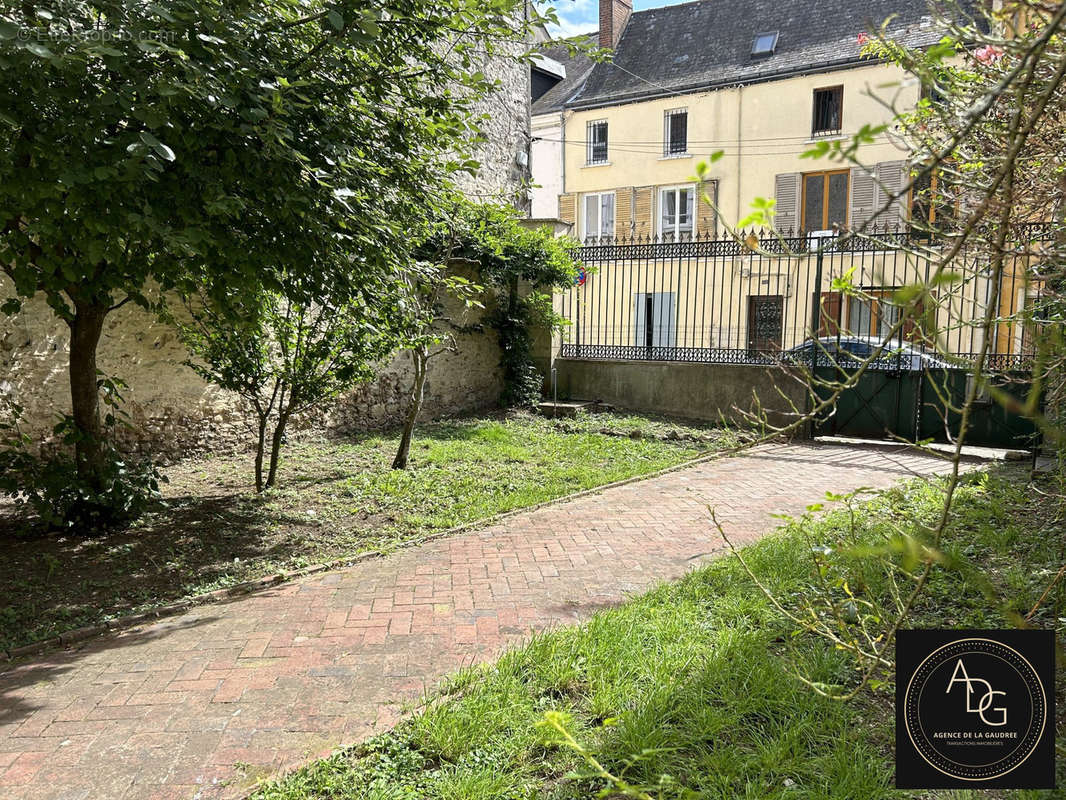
column 762, row 129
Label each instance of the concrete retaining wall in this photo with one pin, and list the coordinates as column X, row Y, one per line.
column 693, row 391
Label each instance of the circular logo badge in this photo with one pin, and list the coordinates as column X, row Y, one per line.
column 975, row 709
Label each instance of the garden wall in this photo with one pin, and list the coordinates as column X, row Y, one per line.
column 689, row 390
column 173, row 412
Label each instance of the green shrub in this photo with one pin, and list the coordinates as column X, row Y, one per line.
column 50, row 485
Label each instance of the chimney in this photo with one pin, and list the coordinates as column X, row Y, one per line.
column 614, row 14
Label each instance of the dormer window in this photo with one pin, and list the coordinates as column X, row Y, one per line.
column 764, row 44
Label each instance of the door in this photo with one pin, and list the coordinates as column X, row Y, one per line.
column 653, row 320
column 765, row 313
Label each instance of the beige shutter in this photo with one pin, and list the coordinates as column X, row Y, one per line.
column 642, row 210
column 787, row 195
column 892, row 176
column 623, row 213
column 568, row 210
column 706, row 219
column 863, row 198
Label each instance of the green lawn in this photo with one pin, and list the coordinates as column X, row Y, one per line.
column 337, row 499
column 689, row 691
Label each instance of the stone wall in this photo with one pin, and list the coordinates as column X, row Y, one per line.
column 175, row 413
column 710, row 392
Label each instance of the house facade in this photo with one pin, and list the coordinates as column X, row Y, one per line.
column 761, row 83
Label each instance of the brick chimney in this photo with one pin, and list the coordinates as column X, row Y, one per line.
column 614, row 14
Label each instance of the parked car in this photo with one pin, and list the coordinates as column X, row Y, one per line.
column 842, row 350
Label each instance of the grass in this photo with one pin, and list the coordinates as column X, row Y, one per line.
column 690, row 690
column 337, row 499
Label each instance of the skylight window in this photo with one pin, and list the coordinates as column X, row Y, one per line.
column 764, row 44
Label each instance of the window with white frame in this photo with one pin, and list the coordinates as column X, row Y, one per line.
column 677, row 212
column 599, row 216
column 675, row 132
column 596, row 139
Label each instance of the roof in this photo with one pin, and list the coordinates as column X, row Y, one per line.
column 577, row 67
column 707, row 44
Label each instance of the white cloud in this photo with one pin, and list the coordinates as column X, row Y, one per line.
column 575, row 16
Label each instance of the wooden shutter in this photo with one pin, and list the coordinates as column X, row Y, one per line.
column 787, row 195
column 914, row 327
column 863, row 198
column 829, row 304
column 706, row 219
column 642, row 210
column 568, row 209
column 623, row 213
column 892, row 176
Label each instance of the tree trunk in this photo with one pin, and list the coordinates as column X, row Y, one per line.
column 85, row 330
column 260, row 449
column 420, row 356
column 275, row 446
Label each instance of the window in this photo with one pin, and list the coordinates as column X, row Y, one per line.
column 828, row 111
column 675, row 133
column 874, row 315
column 765, row 315
column 764, row 44
column 930, row 207
column 825, row 200
column 596, row 134
column 599, row 216
column 676, row 206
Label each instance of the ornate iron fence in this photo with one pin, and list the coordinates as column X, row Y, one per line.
column 724, row 301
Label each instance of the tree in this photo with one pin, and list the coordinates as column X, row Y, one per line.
column 428, row 288
column 284, row 357
column 148, row 147
column 519, row 268
column 986, row 143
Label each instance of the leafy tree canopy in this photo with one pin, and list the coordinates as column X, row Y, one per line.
column 191, row 143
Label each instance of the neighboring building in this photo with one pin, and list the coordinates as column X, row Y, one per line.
column 557, row 73
column 761, row 81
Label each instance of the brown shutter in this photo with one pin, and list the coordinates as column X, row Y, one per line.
column 863, row 198
column 643, row 222
column 828, row 313
column 787, row 195
column 623, row 213
column 914, row 326
column 892, row 176
column 706, row 219
column 568, row 209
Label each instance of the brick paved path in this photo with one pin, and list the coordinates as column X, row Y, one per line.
column 273, row 679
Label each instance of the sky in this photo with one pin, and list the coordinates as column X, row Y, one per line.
column 582, row 16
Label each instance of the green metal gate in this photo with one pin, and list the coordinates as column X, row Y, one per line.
column 889, row 403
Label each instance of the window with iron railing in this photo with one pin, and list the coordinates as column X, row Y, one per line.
column 675, row 132
column 596, row 136
column 828, row 111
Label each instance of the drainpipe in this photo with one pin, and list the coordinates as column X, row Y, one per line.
column 562, row 156
column 740, row 121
